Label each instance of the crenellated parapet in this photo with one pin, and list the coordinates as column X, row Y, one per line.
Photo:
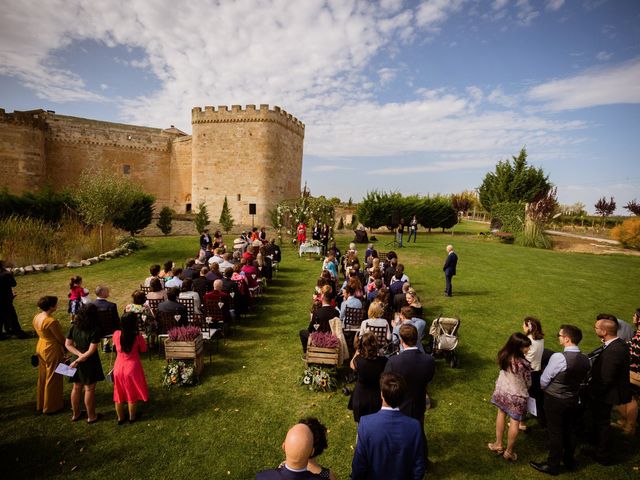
column 32, row 118
column 237, row 114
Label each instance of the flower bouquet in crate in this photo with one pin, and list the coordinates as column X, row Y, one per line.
column 319, row 379
column 179, row 373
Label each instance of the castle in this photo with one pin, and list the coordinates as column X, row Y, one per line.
column 253, row 156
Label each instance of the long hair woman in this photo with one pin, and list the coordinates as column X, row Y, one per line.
column 511, row 392
column 129, row 384
column 369, row 365
column 83, row 341
column 532, row 328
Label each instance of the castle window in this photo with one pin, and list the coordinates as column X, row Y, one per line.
column 188, row 208
column 126, row 169
column 239, row 197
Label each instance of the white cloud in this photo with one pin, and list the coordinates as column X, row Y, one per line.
column 499, row 4
column 386, row 75
column 498, row 97
column 603, row 56
column 330, row 168
column 526, row 13
column 438, row 166
column 104, row 86
column 554, row 5
column 603, row 86
column 431, row 13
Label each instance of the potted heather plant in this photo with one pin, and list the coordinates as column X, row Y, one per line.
column 323, row 349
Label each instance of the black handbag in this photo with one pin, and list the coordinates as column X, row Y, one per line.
column 35, row 361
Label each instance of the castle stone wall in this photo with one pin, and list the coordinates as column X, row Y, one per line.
column 180, row 168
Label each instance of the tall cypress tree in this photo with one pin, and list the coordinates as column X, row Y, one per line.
column 226, row 220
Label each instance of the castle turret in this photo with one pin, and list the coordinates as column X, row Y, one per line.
column 251, row 156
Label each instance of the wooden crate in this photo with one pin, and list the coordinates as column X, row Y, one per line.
column 184, row 350
column 322, row 356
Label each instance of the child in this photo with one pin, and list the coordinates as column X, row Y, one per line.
column 76, row 293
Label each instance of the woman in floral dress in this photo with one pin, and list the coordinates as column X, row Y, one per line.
column 511, row 392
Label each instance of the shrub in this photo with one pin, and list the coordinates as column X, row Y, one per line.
column 510, row 216
column 131, row 243
column 201, row 219
column 45, row 205
column 137, row 216
column 628, row 234
column 164, row 222
column 226, row 220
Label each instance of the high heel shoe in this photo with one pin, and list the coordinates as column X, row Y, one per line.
column 495, row 449
column 511, row 457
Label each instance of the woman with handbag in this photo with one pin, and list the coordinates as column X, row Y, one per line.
column 629, row 411
column 129, row 384
column 50, row 353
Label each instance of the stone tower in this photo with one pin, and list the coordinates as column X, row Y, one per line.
column 251, row 156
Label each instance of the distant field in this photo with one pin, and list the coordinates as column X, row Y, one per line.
column 232, row 425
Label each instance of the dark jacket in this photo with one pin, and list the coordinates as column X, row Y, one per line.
column 450, row 264
column 610, row 374
column 417, row 369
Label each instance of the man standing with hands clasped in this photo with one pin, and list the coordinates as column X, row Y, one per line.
column 560, row 382
column 449, row 269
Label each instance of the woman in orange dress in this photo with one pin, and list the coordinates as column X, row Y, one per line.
column 50, row 351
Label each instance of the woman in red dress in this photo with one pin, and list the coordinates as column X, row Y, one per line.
column 129, row 384
column 302, row 233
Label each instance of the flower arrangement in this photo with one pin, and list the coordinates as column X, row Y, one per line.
column 183, row 334
column 179, row 373
column 324, row 340
column 318, row 379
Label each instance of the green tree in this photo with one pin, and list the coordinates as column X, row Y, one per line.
column 101, row 195
column 517, row 182
column 164, row 222
column 341, row 224
column 138, row 216
column 201, row 218
column 226, row 220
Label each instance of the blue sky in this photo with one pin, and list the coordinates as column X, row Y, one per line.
column 415, row 96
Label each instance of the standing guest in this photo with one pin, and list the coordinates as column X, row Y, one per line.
column 139, row 307
column 629, row 411
column 366, row 362
column 129, row 384
column 8, row 315
column 315, row 233
column 533, row 329
column 625, row 331
column 217, row 239
column 205, row 239
column 104, row 305
column 390, row 444
column 330, row 264
column 511, row 392
column 154, row 271
column 298, row 448
column 561, row 382
column 417, row 370
column 320, row 444
column 50, row 351
column 83, row 341
column 400, row 233
column 413, row 230
column 76, row 294
column 609, row 384
column 301, row 233
column 324, row 237
column 449, row 269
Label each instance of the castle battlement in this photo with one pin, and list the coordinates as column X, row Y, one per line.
column 224, row 114
column 33, row 118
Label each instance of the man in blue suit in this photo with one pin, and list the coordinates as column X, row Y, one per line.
column 449, row 269
column 298, row 447
column 389, row 444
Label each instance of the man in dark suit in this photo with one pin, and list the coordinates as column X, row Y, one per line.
column 8, row 315
column 108, row 315
column 417, row 370
column 449, row 269
column 319, row 320
column 172, row 306
column 609, row 384
column 298, row 447
column 390, row 444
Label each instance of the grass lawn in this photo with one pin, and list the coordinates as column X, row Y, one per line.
column 233, row 424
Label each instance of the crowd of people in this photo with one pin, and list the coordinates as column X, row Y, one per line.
column 97, row 324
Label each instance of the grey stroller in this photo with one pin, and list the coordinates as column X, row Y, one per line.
column 444, row 339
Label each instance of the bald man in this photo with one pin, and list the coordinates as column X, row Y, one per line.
column 609, row 384
column 449, row 269
column 298, row 447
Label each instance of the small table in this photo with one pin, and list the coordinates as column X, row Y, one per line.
column 310, row 249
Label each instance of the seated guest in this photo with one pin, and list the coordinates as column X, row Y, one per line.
column 154, row 270
column 376, row 319
column 366, row 362
column 140, row 307
column 373, row 292
column 298, row 448
column 217, row 239
column 320, row 443
column 349, row 301
column 166, row 272
column 226, row 262
column 171, row 305
column 414, row 302
column 390, row 444
column 186, row 291
column 274, row 251
column 382, row 297
column 397, row 281
column 319, row 320
column 330, row 264
column 406, row 317
column 251, row 273
column 368, row 252
column 229, row 285
column 214, row 272
column 157, row 290
column 399, row 300
column 390, row 270
column 175, row 281
column 217, row 256
column 191, row 271
column 200, row 283
column 375, row 266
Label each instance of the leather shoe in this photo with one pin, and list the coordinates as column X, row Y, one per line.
column 544, row 468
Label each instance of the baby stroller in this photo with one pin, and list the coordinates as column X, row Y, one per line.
column 444, row 334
